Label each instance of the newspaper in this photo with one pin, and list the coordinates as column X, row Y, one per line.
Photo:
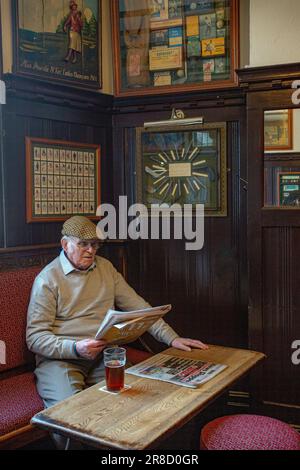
column 176, row 370
column 125, row 327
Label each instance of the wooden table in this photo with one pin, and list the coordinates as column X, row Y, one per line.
column 150, row 410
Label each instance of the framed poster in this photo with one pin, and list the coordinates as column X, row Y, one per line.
column 62, row 179
column 58, row 40
column 183, row 166
column 279, row 129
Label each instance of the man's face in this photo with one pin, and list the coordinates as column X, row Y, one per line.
column 80, row 252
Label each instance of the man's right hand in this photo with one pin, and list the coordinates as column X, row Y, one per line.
column 90, row 348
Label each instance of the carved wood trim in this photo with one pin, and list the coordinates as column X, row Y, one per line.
column 269, row 77
column 40, row 255
column 57, row 94
column 26, row 259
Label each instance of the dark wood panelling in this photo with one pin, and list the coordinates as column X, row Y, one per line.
column 273, row 250
column 37, row 110
column 281, row 306
column 186, row 102
column 12, row 259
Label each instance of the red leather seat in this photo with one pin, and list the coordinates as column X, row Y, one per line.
column 135, row 356
column 248, row 432
column 19, row 401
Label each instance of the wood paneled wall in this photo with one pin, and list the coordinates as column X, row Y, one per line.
column 273, row 254
column 36, row 109
column 207, row 288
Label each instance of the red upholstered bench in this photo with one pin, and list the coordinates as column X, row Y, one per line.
column 19, row 399
column 248, row 432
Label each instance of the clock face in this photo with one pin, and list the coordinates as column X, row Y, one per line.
column 181, row 168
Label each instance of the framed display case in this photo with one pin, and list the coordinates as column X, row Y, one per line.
column 162, row 46
column 183, row 166
column 62, row 179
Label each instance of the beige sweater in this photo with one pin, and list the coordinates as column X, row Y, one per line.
column 68, row 305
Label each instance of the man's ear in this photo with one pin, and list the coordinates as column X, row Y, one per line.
column 64, row 244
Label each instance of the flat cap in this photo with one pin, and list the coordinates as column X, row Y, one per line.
column 80, row 227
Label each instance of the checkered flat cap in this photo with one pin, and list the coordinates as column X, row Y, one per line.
column 80, row 227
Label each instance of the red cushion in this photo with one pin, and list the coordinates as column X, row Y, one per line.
column 136, row 355
column 15, row 288
column 248, row 432
column 19, row 401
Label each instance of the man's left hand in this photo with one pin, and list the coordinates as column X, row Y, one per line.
column 186, row 344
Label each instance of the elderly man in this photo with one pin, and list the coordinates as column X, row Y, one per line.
column 68, row 302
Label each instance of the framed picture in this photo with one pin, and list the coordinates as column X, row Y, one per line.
column 62, row 179
column 289, row 189
column 183, row 166
column 162, row 46
column 279, row 129
column 58, row 40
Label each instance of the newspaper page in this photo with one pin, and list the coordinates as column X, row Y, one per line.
column 176, row 370
column 120, row 320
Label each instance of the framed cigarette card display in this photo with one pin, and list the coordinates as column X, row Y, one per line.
column 185, row 166
column 164, row 45
column 62, row 179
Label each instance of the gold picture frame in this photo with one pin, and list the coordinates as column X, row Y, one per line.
column 278, row 130
column 183, row 166
column 62, row 179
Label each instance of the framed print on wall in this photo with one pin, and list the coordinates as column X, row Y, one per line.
column 183, row 166
column 279, row 129
column 62, row 179
column 58, row 40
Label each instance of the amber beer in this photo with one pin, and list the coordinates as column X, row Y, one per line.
column 114, row 377
column 114, row 361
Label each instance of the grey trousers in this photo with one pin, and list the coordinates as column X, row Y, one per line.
column 58, row 380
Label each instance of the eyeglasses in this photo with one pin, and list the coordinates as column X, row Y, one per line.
column 85, row 245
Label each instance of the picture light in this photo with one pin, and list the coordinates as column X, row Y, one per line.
column 177, row 119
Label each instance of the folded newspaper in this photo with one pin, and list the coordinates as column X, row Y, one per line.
column 176, row 370
column 125, row 327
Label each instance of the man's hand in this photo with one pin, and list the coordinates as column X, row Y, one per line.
column 90, row 348
column 186, row 344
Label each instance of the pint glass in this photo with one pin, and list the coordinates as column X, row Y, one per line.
column 114, row 362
